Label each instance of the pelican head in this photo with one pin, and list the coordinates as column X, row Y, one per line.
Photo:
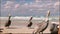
column 9, row 16
column 47, row 16
column 30, row 18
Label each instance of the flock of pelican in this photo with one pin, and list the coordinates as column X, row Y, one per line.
column 41, row 27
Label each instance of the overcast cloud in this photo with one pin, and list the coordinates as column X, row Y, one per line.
column 29, row 7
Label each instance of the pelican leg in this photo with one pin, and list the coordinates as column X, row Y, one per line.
column 35, row 33
column 40, row 32
column 10, row 33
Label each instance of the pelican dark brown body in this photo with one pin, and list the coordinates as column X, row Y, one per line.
column 30, row 23
column 8, row 22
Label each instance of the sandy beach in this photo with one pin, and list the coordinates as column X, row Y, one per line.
column 24, row 30
column 20, row 27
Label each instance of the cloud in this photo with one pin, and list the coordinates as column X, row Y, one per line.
column 17, row 6
column 32, row 5
column 8, row 4
column 37, row 7
column 25, row 4
column 37, row 1
column 57, row 4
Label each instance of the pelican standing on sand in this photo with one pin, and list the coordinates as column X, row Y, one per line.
column 30, row 22
column 8, row 22
column 54, row 29
column 42, row 26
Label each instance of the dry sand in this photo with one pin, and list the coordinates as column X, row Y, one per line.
column 23, row 30
column 18, row 31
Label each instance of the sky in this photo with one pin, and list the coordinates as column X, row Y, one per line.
column 29, row 7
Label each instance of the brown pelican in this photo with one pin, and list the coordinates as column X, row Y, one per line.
column 42, row 26
column 54, row 29
column 30, row 22
column 8, row 22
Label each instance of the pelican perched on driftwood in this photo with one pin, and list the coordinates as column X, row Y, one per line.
column 42, row 26
column 8, row 22
column 30, row 22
